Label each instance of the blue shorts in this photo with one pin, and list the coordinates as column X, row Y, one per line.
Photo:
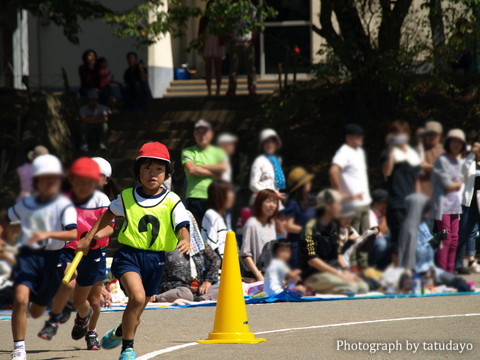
column 41, row 271
column 92, row 268
column 148, row 264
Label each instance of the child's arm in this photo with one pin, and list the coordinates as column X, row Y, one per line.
column 103, row 221
column 65, row 235
column 183, row 236
column 106, row 232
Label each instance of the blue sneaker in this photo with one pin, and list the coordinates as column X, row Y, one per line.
column 127, row 354
column 110, row 340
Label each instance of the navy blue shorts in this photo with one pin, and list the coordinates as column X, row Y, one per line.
column 41, row 271
column 148, row 264
column 92, row 268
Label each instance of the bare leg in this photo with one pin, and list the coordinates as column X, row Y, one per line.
column 94, row 300
column 208, row 74
column 217, row 62
column 80, row 300
column 19, row 314
column 63, row 295
column 137, row 300
column 36, row 310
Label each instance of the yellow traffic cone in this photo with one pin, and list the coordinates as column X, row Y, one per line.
column 231, row 322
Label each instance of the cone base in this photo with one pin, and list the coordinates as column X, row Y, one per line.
column 231, row 338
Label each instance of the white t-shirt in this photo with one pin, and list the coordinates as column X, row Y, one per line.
column 354, row 179
column 274, row 277
column 58, row 214
column 214, row 230
column 180, row 216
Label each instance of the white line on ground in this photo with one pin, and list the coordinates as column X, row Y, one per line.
column 178, row 347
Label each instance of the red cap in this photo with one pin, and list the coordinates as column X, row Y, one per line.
column 154, row 150
column 85, row 167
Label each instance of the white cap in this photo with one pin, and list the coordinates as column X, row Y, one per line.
column 105, row 167
column 47, row 165
column 226, row 138
column 269, row 133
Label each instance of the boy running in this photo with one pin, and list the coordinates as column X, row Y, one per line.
column 48, row 219
column 155, row 221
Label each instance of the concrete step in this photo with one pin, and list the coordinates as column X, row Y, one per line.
column 199, row 93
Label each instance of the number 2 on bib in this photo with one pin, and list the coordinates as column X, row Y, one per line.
column 143, row 226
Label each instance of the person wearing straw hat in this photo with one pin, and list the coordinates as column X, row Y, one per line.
column 447, row 184
column 300, row 207
column 433, row 148
column 266, row 172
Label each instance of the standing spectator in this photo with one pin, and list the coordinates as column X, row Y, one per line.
column 433, row 148
column 242, row 46
column 447, row 207
column 136, row 92
column 258, row 231
column 348, row 175
column 470, row 213
column 25, row 171
column 88, row 73
column 221, row 198
column 203, row 163
column 228, row 143
column 379, row 255
column 212, row 51
column 323, row 267
column 401, row 167
column 300, row 208
column 266, row 172
column 93, row 118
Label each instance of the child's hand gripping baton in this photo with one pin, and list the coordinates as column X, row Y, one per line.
column 73, row 267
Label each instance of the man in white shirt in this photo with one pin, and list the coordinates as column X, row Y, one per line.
column 348, row 175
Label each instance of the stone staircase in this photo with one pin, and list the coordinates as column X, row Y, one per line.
column 197, row 87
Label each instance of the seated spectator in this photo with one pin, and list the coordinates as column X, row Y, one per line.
column 258, row 231
column 214, row 230
column 379, row 256
column 190, row 277
column 278, row 275
column 300, row 207
column 322, row 265
column 266, row 172
column 93, row 118
column 136, row 91
column 88, row 73
column 447, row 181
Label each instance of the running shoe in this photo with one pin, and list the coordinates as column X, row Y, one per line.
column 20, row 354
column 66, row 313
column 127, row 354
column 81, row 326
column 110, row 340
column 92, row 340
column 49, row 330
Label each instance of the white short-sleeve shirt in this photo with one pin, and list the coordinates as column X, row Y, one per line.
column 57, row 214
column 214, row 230
column 180, row 216
column 354, row 179
column 275, row 275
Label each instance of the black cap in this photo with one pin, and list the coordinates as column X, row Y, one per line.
column 353, row 129
column 380, row 195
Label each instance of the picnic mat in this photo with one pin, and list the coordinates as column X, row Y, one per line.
column 285, row 296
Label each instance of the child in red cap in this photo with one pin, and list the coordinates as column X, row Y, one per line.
column 90, row 204
column 156, row 221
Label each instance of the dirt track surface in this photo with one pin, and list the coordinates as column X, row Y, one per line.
column 164, row 328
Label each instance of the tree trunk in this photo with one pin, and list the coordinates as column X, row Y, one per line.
column 437, row 27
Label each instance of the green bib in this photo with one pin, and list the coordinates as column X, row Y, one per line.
column 149, row 228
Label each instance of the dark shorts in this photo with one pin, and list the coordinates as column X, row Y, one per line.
column 148, row 264
column 198, row 207
column 41, row 271
column 92, row 268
